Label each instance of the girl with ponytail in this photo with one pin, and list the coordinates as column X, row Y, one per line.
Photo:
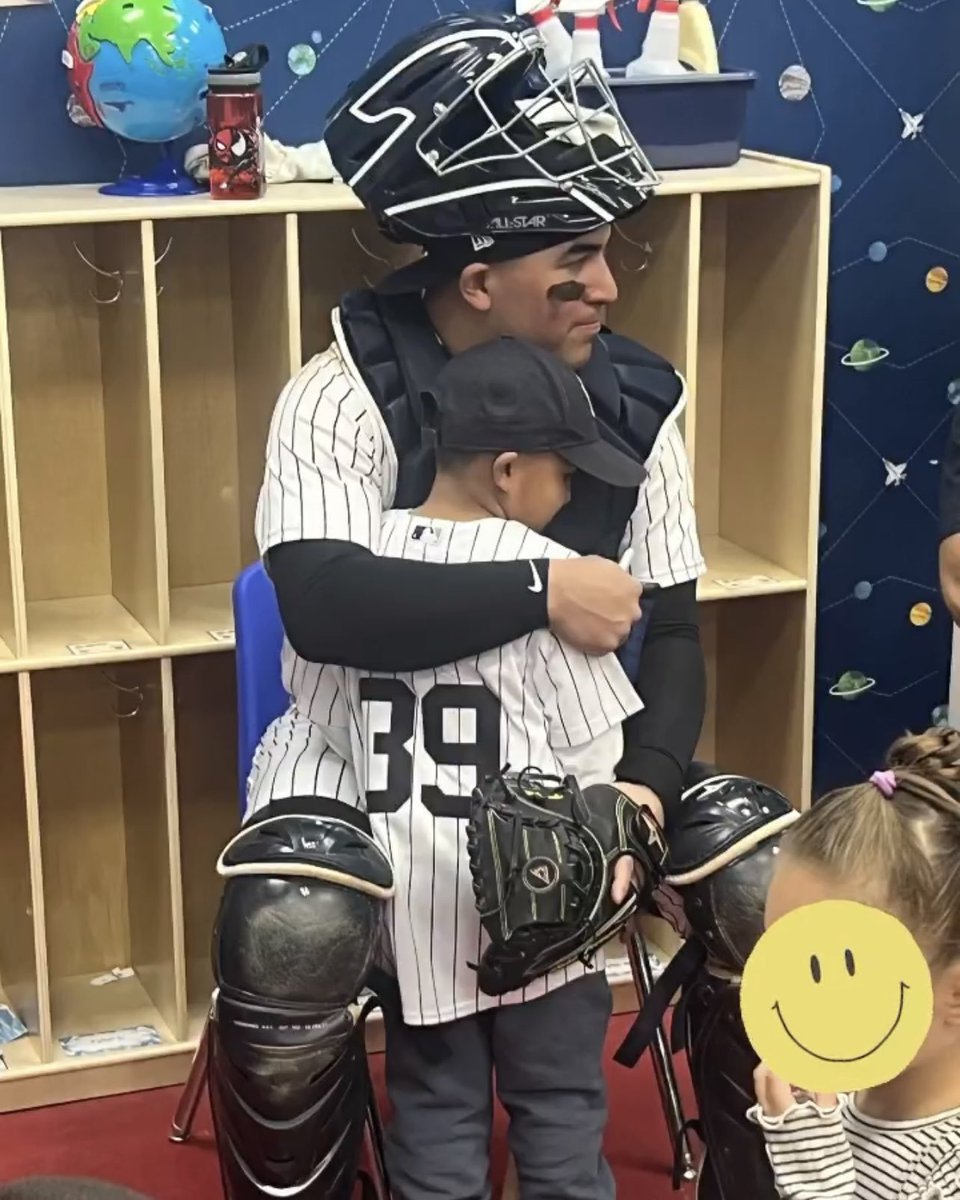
column 894, row 843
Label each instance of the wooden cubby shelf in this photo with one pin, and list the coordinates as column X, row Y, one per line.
column 143, row 345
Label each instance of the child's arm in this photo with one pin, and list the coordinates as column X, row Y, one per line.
column 582, row 698
column 806, row 1142
column 590, row 762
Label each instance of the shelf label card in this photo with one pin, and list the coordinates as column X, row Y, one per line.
column 221, row 635
column 82, row 649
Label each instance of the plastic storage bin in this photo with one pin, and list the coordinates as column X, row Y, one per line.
column 691, row 120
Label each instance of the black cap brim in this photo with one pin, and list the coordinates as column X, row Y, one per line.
column 605, row 462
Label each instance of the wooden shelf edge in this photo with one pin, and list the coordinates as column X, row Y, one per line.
column 51, row 1083
column 735, row 573
column 82, row 204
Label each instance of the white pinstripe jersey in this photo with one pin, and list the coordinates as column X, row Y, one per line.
column 331, row 472
column 421, row 741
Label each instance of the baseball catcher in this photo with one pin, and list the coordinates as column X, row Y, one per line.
column 722, row 840
column 294, row 941
column 542, row 857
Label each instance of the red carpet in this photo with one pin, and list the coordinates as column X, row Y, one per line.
column 124, row 1139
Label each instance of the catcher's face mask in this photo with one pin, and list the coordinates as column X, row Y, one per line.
column 569, row 131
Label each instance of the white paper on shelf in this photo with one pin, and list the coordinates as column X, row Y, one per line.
column 745, row 581
column 11, row 1027
column 114, row 646
column 112, row 976
column 110, row 1041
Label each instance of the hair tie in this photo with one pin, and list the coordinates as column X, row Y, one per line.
column 886, row 781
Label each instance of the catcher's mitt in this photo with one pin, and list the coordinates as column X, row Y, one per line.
column 542, row 855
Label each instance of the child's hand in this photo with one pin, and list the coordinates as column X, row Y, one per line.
column 623, row 870
column 622, row 878
column 776, row 1097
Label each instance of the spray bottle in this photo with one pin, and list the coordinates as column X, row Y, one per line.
column 585, row 45
column 556, row 39
column 661, row 47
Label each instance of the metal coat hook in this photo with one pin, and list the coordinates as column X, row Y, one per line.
column 125, row 690
column 369, row 253
column 157, row 261
column 116, row 276
column 366, row 249
column 646, row 248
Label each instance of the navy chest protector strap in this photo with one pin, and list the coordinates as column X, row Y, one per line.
column 398, row 354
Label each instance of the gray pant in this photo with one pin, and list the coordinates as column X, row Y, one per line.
column 547, row 1055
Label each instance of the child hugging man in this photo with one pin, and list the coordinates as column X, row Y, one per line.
column 511, row 424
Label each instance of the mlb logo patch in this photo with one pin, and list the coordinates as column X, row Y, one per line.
column 426, row 534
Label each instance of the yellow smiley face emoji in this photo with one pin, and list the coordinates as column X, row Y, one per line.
column 836, row 997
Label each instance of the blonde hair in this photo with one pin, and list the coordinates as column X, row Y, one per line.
column 906, row 845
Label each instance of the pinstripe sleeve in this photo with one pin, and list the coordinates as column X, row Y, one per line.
column 328, row 465
column 809, row 1152
column 582, row 697
column 663, row 528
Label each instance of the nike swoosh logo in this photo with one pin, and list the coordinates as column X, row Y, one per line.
column 537, row 585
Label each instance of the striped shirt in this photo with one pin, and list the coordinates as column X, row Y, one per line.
column 331, row 472
column 842, row 1154
column 422, row 741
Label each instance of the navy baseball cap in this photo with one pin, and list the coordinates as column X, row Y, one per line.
column 509, row 394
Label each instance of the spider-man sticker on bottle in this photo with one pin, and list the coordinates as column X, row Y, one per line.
column 235, row 124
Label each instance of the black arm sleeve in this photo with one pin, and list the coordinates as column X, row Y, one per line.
column 659, row 742
column 950, row 481
column 340, row 604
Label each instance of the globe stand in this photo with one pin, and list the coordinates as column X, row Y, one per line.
column 166, row 179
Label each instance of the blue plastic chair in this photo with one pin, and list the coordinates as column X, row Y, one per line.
column 261, row 696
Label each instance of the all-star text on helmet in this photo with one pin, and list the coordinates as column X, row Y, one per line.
column 457, row 130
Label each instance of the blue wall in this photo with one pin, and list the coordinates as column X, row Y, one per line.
column 896, row 215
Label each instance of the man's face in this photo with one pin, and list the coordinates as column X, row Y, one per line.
column 528, row 298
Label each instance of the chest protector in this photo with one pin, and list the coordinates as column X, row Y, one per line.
column 398, row 354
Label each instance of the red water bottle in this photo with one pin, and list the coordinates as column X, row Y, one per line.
column 235, row 123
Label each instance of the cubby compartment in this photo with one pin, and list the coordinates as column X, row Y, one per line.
column 756, row 439
column 338, row 251
column 650, row 256
column 142, row 351
column 205, row 708
column 106, row 847
column 84, row 454
column 227, row 347
column 758, row 719
column 20, row 988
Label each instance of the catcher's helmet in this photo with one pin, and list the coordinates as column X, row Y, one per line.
column 457, row 131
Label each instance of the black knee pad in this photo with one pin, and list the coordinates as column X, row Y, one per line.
column 722, row 842
column 295, row 937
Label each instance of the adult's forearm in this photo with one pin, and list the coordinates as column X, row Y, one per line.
column 660, row 741
column 342, row 605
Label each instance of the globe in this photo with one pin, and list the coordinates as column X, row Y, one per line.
column 139, row 67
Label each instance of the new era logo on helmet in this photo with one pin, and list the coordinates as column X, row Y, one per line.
column 501, row 224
